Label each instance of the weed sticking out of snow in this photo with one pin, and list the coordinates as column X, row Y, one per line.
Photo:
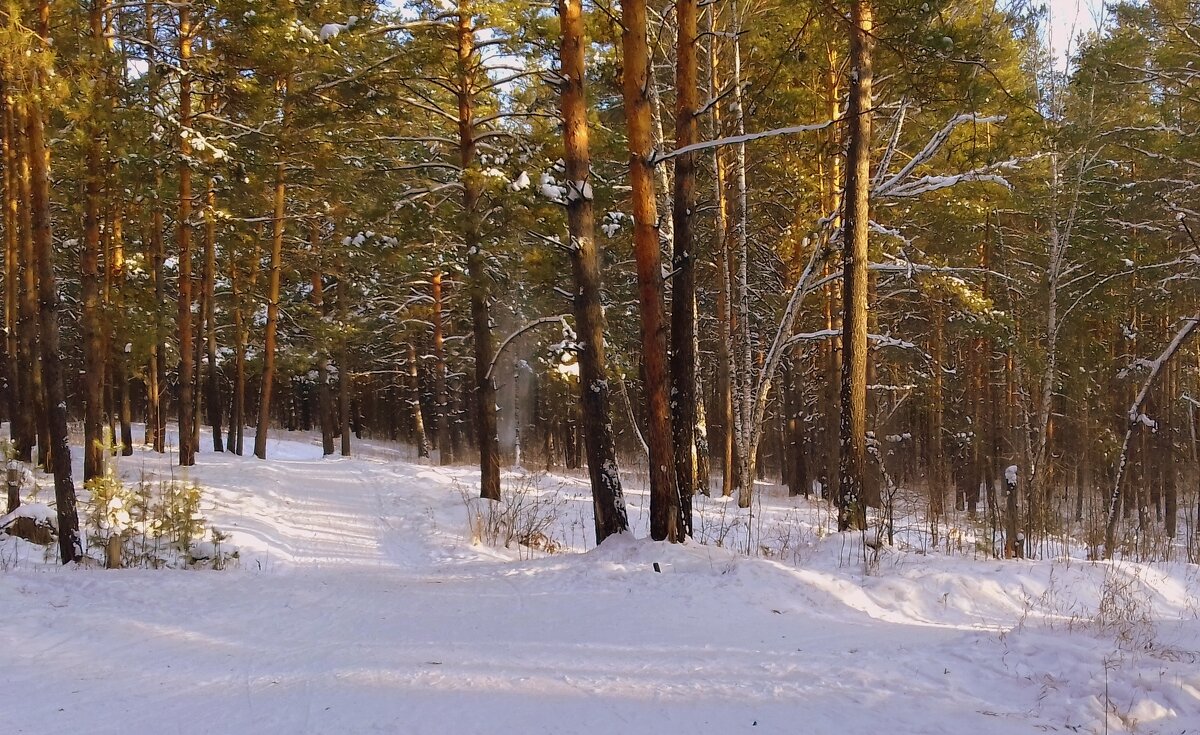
column 527, row 516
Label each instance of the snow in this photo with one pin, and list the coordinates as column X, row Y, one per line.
column 361, row 604
column 521, row 183
column 330, row 31
column 40, row 513
column 550, row 189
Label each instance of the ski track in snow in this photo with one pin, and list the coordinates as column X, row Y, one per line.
column 359, row 607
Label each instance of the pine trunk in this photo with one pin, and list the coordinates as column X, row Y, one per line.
column 344, row 376
column 853, row 429
column 187, row 455
column 937, row 452
column 721, row 235
column 237, row 413
column 32, row 414
column 442, row 430
column 91, row 321
column 608, row 500
column 69, row 544
column 14, row 374
column 478, row 279
column 324, row 397
column 666, row 522
column 683, row 280
column 213, row 392
column 272, row 325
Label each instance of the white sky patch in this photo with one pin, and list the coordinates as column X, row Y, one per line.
column 1068, row 19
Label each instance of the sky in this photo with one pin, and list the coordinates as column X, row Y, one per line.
column 1069, row 18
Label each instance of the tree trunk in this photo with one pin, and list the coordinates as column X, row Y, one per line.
column 91, row 321
column 608, row 500
column 213, row 392
column 721, row 235
column 853, row 429
column 479, row 282
column 414, row 401
column 15, row 374
column 237, row 414
column 937, row 452
column 32, row 414
column 272, row 326
column 683, row 282
column 324, row 397
column 187, row 455
column 69, row 545
column 156, row 417
column 831, row 365
column 442, row 430
column 344, row 375
column 748, row 433
column 117, row 349
column 666, row 522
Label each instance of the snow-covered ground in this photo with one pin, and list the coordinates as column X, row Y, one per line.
column 360, row 605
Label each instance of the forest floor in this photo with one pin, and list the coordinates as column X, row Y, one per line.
column 360, row 604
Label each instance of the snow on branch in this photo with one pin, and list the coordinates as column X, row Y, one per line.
column 926, row 184
column 735, row 139
column 881, row 340
column 931, row 148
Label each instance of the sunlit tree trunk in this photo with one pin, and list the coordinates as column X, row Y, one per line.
column 721, row 235
column 831, row 363
column 666, row 522
column 69, row 544
column 414, row 402
column 117, row 270
column 32, row 414
column 272, row 325
column 187, row 454
column 442, row 430
column 683, row 280
column 853, row 430
column 608, row 501
column 747, row 432
column 13, row 375
column 91, row 320
column 477, row 276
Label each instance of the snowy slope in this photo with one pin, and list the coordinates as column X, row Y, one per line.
column 361, row 606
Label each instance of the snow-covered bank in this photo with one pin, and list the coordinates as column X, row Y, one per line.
column 360, row 605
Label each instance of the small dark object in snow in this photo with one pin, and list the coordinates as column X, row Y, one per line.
column 657, row 568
